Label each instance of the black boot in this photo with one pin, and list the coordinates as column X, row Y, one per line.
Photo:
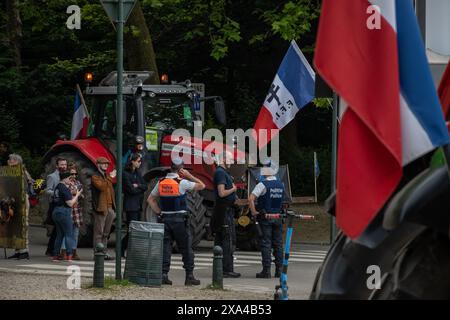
column 190, row 280
column 165, row 279
column 23, row 255
column 265, row 273
column 277, row 272
column 14, row 256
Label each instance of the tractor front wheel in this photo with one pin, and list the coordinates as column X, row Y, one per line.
column 85, row 171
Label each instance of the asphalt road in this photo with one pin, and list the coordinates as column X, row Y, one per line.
column 303, row 265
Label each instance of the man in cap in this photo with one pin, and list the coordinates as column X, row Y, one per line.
column 103, row 201
column 269, row 195
column 173, row 212
column 137, row 147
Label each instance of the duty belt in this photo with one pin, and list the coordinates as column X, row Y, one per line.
column 181, row 216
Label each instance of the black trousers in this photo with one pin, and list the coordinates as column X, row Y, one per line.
column 49, row 220
column 272, row 239
column 131, row 216
column 226, row 238
column 51, row 241
column 176, row 228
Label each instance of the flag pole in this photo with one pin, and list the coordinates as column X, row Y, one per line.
column 82, row 101
column 333, row 161
column 315, row 177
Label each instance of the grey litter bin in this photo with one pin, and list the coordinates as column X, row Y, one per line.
column 144, row 255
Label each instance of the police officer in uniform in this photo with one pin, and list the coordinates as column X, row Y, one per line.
column 223, row 216
column 171, row 191
column 269, row 195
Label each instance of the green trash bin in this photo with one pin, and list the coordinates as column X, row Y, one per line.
column 145, row 253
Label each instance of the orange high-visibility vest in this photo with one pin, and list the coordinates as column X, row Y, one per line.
column 170, row 197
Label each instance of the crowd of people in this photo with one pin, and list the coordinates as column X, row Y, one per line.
column 167, row 199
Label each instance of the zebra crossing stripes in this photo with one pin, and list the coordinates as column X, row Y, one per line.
column 203, row 260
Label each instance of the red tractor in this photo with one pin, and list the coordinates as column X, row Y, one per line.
column 151, row 111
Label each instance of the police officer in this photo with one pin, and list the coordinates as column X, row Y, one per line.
column 223, row 216
column 269, row 194
column 173, row 213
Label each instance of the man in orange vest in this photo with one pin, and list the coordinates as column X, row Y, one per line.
column 171, row 191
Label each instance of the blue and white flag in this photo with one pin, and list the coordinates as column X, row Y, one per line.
column 316, row 166
column 291, row 90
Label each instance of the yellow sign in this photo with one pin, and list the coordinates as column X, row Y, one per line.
column 151, row 138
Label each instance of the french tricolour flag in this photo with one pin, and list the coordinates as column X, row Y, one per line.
column 393, row 114
column 80, row 120
column 291, row 90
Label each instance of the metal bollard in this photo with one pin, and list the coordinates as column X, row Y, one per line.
column 99, row 266
column 217, row 280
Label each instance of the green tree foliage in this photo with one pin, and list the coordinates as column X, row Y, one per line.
column 234, row 47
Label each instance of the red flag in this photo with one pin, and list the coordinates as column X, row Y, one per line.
column 358, row 63
column 393, row 115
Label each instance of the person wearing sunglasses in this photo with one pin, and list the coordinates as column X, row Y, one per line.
column 134, row 188
column 77, row 213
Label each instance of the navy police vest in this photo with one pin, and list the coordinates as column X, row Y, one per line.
column 272, row 200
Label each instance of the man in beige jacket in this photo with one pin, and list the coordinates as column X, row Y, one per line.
column 103, row 201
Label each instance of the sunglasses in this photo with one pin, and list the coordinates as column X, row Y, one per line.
column 74, row 174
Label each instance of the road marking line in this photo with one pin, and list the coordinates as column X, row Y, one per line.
column 237, row 287
column 83, row 268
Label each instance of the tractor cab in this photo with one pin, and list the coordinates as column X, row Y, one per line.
column 150, row 111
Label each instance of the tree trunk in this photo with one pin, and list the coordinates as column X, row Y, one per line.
column 138, row 45
column 14, row 30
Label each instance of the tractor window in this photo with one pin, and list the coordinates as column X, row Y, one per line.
column 103, row 116
column 130, row 126
column 168, row 113
column 108, row 121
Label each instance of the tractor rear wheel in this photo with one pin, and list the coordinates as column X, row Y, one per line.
column 197, row 211
column 85, row 170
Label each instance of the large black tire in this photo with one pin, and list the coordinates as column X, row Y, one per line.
column 420, row 271
column 198, row 220
column 85, row 170
column 197, row 210
column 413, row 263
